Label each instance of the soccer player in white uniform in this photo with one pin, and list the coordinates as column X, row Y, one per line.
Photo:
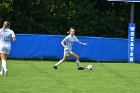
column 6, row 36
column 70, row 39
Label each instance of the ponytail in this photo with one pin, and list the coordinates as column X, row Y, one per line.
column 68, row 32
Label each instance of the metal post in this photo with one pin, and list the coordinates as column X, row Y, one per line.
column 132, row 12
column 131, row 42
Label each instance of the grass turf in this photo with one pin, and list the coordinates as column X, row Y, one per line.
column 39, row 77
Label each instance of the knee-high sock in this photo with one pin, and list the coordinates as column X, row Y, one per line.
column 2, row 69
column 78, row 63
column 57, row 64
column 4, row 65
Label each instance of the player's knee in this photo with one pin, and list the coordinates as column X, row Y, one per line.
column 63, row 60
column 77, row 58
column 3, row 56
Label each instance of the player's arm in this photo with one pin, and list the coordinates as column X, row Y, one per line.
column 62, row 43
column 82, row 43
column 14, row 39
column 79, row 41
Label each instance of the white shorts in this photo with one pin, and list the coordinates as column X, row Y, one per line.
column 67, row 52
column 5, row 49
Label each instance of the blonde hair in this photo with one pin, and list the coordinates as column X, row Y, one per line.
column 6, row 24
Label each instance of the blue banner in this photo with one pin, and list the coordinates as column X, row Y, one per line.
column 131, row 42
column 49, row 46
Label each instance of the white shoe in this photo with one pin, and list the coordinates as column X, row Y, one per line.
column 1, row 73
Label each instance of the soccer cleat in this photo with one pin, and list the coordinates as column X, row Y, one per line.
column 81, row 68
column 1, row 73
column 55, row 67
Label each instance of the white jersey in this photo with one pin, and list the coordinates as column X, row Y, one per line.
column 70, row 40
column 6, row 36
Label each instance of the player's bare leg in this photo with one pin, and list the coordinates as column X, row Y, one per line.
column 77, row 61
column 1, row 72
column 60, row 62
column 4, row 67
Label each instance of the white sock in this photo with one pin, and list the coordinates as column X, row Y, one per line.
column 2, row 69
column 78, row 63
column 4, row 65
column 57, row 64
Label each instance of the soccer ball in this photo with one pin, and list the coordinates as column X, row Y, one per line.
column 90, row 67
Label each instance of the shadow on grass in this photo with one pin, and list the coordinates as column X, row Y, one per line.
column 117, row 74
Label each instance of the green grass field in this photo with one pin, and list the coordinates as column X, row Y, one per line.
column 39, row 77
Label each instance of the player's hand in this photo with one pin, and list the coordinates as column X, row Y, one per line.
column 66, row 48
column 84, row 44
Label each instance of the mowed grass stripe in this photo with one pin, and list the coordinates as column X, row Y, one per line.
column 39, row 77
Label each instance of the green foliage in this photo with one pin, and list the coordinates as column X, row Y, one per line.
column 5, row 9
column 89, row 17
